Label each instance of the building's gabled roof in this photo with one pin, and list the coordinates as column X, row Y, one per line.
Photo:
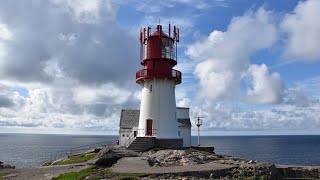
column 184, row 122
column 183, row 108
column 129, row 118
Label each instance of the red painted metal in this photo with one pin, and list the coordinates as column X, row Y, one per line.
column 149, row 74
column 158, row 54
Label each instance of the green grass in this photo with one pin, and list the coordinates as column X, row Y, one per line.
column 76, row 175
column 95, row 174
column 108, row 174
column 3, row 173
column 79, row 158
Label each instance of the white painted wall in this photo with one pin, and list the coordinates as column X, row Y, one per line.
column 124, row 135
column 185, row 134
column 159, row 104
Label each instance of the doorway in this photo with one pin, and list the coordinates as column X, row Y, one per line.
column 149, row 127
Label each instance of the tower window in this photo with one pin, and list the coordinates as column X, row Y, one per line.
column 150, row 88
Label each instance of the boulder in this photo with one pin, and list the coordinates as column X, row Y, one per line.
column 6, row 166
column 109, row 156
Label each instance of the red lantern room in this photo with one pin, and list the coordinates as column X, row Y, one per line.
column 158, row 54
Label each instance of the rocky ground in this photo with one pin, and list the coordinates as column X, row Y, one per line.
column 169, row 164
column 190, row 164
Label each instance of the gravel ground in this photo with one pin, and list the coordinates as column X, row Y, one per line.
column 43, row 173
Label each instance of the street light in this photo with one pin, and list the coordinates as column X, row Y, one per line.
column 199, row 123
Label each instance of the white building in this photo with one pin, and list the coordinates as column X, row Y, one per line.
column 129, row 123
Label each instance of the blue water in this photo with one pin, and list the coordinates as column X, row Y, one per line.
column 30, row 150
column 292, row 150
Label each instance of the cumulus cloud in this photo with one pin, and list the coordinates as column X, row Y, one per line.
column 5, row 102
column 223, row 57
column 298, row 110
column 62, row 108
column 69, row 57
column 107, row 93
column 42, row 32
column 85, row 11
column 156, row 6
column 231, row 117
column 297, row 97
column 265, row 88
column 303, row 31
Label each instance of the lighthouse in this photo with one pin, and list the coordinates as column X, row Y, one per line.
column 158, row 79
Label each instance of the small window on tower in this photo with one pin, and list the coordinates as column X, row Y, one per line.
column 122, row 135
column 150, row 88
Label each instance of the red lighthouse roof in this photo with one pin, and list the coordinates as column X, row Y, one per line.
column 158, row 54
column 157, row 33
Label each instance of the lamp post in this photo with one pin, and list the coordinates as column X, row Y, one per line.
column 198, row 124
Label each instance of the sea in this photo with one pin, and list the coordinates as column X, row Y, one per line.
column 31, row 150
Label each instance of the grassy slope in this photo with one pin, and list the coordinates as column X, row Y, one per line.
column 97, row 174
column 76, row 175
column 3, row 173
column 77, row 159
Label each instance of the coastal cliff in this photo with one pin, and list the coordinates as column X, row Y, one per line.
column 117, row 162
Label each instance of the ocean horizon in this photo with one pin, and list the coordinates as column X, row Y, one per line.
column 31, row 150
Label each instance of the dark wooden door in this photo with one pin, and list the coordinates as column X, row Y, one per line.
column 149, row 127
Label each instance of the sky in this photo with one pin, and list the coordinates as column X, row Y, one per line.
column 249, row 67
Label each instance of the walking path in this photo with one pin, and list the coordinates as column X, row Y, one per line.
column 45, row 172
column 140, row 165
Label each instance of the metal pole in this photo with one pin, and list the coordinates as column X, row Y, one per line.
column 198, row 123
column 198, row 135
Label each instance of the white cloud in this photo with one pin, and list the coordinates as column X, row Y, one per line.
column 72, row 67
column 5, row 32
column 297, row 97
column 157, row 6
column 107, row 93
column 88, row 11
column 303, row 31
column 223, row 57
column 185, row 102
column 90, row 53
column 57, row 108
column 5, row 35
column 185, row 24
column 230, row 117
column 265, row 88
column 69, row 38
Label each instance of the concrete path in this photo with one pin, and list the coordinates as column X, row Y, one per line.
column 140, row 165
column 43, row 173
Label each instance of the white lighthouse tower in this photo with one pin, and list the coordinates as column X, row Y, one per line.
column 158, row 55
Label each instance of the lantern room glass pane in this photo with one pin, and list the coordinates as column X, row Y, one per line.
column 168, row 50
column 143, row 51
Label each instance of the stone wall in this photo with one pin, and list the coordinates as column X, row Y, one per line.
column 169, row 143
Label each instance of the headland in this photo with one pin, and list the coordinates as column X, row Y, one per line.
column 187, row 163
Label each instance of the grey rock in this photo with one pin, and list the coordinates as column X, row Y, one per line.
column 6, row 166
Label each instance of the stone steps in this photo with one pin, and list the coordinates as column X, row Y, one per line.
column 141, row 144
